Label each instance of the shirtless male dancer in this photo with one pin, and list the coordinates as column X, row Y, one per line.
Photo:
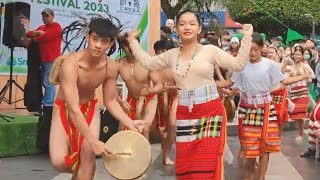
column 136, row 77
column 165, row 87
column 75, row 111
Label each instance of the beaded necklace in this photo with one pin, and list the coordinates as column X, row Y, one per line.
column 189, row 65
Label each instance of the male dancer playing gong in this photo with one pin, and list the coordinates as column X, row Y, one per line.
column 75, row 121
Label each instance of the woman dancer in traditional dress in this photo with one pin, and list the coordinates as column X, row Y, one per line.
column 258, row 124
column 201, row 123
column 279, row 93
column 299, row 91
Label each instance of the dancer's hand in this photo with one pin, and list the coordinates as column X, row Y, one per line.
column 247, row 30
column 220, row 84
column 137, row 125
column 100, row 149
column 133, row 34
column 125, row 106
column 286, row 60
column 166, row 87
column 145, row 91
column 216, row 67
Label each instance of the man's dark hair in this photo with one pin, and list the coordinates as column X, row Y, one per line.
column 166, row 29
column 163, row 45
column 315, row 44
column 123, row 41
column 257, row 39
column 103, row 28
column 106, row 26
column 214, row 40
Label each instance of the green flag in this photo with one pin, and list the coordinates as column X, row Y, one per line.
column 293, row 35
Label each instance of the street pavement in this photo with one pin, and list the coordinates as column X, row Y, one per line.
column 283, row 166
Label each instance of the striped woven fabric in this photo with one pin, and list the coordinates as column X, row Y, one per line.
column 280, row 101
column 300, row 97
column 200, row 141
column 314, row 125
column 256, row 98
column 74, row 138
column 258, row 129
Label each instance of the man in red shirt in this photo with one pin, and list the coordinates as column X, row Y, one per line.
column 48, row 36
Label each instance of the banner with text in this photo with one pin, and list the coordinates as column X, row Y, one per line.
column 134, row 14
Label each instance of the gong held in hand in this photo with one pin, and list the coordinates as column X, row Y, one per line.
column 133, row 155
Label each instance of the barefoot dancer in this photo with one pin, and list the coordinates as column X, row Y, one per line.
column 165, row 87
column 201, row 123
column 136, row 77
column 258, row 124
column 279, row 93
column 299, row 93
column 74, row 134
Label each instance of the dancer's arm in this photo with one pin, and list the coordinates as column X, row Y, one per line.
column 229, row 92
column 119, row 99
column 218, row 72
column 224, row 83
column 124, row 104
column 284, row 67
column 157, row 84
column 151, row 63
column 110, row 94
column 166, row 87
column 69, row 87
column 309, row 71
column 226, row 60
column 291, row 80
column 274, row 89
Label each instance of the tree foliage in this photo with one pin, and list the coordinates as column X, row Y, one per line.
column 263, row 14
column 197, row 5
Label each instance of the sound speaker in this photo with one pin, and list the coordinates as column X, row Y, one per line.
column 17, row 15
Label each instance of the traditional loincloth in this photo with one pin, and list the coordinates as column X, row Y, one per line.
column 280, row 102
column 300, row 97
column 163, row 110
column 258, row 129
column 132, row 113
column 74, row 138
column 201, row 134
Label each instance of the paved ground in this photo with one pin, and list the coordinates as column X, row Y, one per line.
column 283, row 166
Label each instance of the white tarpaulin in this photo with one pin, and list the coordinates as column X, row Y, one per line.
column 132, row 13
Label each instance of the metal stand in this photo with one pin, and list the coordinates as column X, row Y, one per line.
column 7, row 87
